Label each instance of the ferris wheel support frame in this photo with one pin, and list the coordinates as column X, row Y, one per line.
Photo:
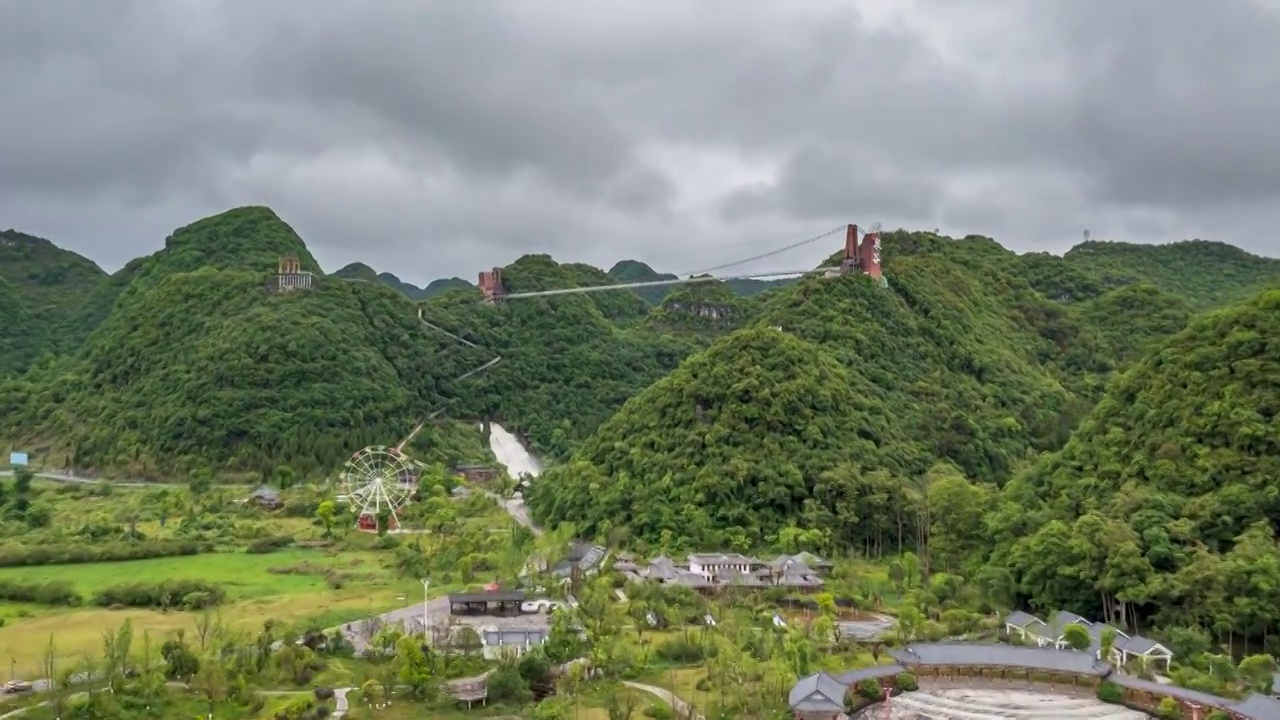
column 378, row 479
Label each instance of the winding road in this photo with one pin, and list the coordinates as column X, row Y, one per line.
column 80, row 480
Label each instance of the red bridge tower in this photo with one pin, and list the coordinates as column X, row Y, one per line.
column 862, row 257
column 491, row 284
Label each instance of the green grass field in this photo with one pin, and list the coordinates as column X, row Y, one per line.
column 255, row 595
column 243, row 575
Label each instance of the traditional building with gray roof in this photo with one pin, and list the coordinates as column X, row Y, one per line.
column 1053, row 634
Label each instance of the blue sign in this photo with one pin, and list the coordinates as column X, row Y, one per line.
column 17, row 458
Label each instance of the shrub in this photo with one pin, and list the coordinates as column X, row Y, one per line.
column 295, row 710
column 906, row 682
column 74, row 553
column 1169, row 709
column 271, row 544
column 186, row 594
column 869, row 688
column 57, row 592
column 659, row 712
column 681, row 650
column 1109, row 692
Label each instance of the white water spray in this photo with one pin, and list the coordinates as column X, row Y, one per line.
column 511, row 453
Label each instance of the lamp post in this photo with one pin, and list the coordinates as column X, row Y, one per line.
column 426, row 610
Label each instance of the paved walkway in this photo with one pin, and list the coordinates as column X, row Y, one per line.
column 340, row 707
column 680, row 706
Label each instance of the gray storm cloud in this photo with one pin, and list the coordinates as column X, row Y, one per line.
column 438, row 138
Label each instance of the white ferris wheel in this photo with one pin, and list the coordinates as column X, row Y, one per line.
column 379, row 481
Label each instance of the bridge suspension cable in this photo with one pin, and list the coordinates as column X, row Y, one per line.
column 655, row 283
column 696, row 276
column 771, row 253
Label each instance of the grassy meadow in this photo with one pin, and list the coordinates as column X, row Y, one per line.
column 324, row 582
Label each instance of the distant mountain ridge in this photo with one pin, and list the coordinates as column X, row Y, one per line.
column 969, row 319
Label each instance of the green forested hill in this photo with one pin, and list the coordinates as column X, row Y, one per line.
column 1204, row 274
column 974, row 357
column 199, row 366
column 634, row 271
column 566, row 367
column 55, row 286
column 364, row 273
column 22, row 337
column 251, row 239
column 1168, row 492
column 357, row 271
column 440, row 286
column 702, row 311
column 727, row 441
column 942, row 366
column 976, row 354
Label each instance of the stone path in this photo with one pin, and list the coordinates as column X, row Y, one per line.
column 680, row 706
column 340, row 707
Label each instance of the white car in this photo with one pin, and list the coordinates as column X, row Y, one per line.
column 538, row 606
column 16, row 686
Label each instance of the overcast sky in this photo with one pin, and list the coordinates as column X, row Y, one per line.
column 439, row 138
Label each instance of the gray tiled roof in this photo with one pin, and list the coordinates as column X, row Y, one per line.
column 662, row 568
column 1020, row 619
column 997, row 655
column 810, row 559
column 817, row 693
column 1195, row 696
column 1137, row 644
column 722, row 559
column 800, row 581
column 1061, row 620
column 1259, row 707
column 689, row 579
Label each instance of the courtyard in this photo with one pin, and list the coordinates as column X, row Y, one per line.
column 995, row 703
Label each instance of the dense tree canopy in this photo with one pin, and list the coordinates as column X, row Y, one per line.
column 54, row 286
column 22, row 338
column 975, row 355
column 200, row 366
column 1167, row 488
column 726, row 441
column 1205, row 274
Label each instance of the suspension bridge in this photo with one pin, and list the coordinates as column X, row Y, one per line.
column 861, row 254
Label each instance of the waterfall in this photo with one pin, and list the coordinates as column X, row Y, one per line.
column 511, row 453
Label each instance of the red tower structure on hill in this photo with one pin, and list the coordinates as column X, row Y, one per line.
column 491, row 284
column 862, row 256
column 290, row 275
